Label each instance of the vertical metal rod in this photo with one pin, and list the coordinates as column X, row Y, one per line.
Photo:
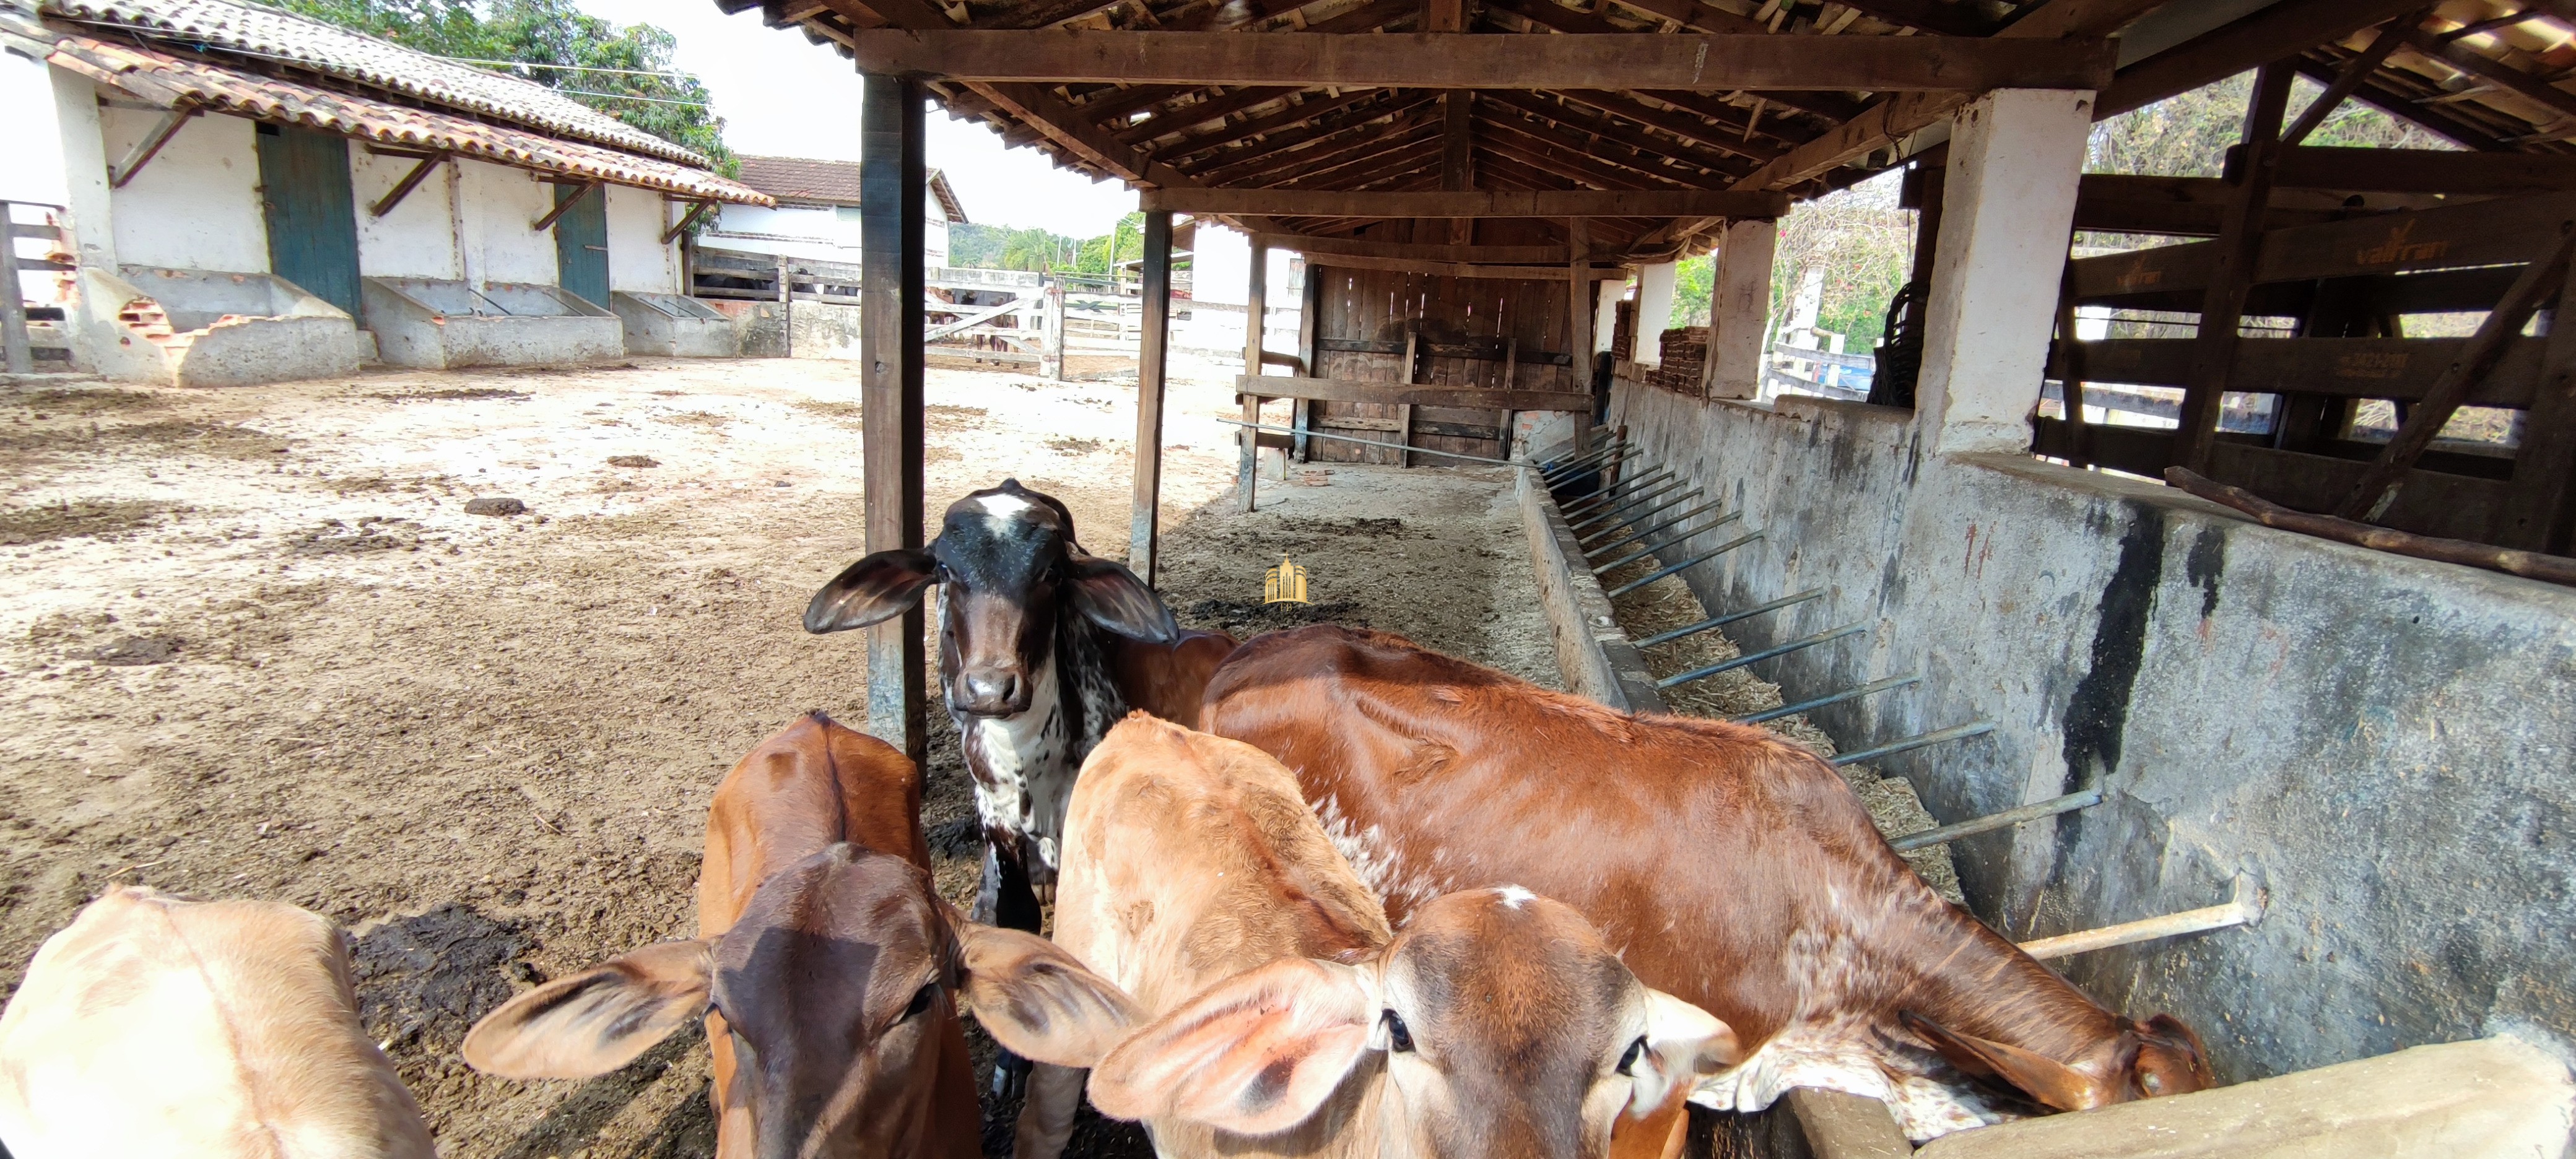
column 1729, row 618
column 1631, row 586
column 1643, row 552
column 1704, row 673
column 1993, row 821
column 1909, row 744
column 1870, row 689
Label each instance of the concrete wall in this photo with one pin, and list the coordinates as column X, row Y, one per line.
column 417, row 239
column 2384, row 744
column 493, row 206
column 638, row 262
column 197, row 205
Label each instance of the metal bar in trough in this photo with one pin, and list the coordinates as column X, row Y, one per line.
column 1872, row 688
column 1677, row 521
column 1729, row 618
column 1993, row 821
column 1315, row 434
column 1558, row 470
column 1704, row 673
column 2243, row 909
column 1648, row 550
column 1598, row 517
column 1594, row 466
column 1909, row 744
column 1731, row 545
column 1666, row 503
column 1626, row 489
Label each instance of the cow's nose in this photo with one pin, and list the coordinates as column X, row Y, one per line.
column 992, row 693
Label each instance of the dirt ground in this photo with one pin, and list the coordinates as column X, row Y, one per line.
column 253, row 643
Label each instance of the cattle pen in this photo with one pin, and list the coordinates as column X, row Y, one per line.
column 2190, row 599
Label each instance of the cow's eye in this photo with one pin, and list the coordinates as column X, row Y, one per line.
column 1628, row 1061
column 2155, row 1083
column 1397, row 1036
column 920, row 1001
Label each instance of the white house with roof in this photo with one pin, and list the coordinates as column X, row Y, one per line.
column 817, row 212
column 238, row 193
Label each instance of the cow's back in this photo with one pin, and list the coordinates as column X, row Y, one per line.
column 1191, row 858
column 153, row 1025
column 1664, row 831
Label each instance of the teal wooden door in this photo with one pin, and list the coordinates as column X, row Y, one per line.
column 312, row 218
column 581, row 244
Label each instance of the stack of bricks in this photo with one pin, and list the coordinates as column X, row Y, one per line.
column 1685, row 354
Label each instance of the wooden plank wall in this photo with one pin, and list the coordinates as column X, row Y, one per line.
column 1452, row 319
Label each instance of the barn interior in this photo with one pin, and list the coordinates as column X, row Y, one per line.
column 2291, row 669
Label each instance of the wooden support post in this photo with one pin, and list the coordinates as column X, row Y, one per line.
column 2070, row 365
column 2378, row 487
column 2538, row 510
column 2355, row 71
column 421, row 171
column 2240, row 245
column 1739, row 309
column 1153, row 349
column 1404, row 410
column 1578, row 318
column 580, row 193
column 892, row 185
column 787, row 307
column 15, row 357
column 1255, row 305
column 1457, row 155
column 150, row 146
column 697, row 209
column 1309, row 307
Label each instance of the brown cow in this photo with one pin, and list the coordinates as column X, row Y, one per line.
column 1293, row 1022
column 1736, row 869
column 825, row 969
column 155, row 1025
column 1042, row 647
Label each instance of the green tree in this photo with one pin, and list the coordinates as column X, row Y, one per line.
column 547, row 38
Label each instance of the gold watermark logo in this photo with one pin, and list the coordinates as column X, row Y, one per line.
column 1284, row 584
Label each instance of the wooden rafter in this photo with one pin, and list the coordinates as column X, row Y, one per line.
column 1253, row 129
column 1473, row 203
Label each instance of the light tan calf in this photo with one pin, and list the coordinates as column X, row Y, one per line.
column 157, row 1026
column 1289, row 1020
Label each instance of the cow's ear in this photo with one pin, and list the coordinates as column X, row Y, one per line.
column 1682, row 1044
column 1255, row 1054
column 2046, row 1080
column 1112, row 597
column 879, row 587
column 595, row 1021
column 1040, row 1002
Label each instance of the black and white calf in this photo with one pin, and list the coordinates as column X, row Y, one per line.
column 1042, row 647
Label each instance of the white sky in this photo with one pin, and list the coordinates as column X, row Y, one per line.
column 783, row 95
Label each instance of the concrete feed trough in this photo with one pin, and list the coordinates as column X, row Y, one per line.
column 444, row 324
column 672, row 325
column 209, row 328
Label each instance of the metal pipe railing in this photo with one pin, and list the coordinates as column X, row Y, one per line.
column 1661, row 503
column 1675, row 521
column 1591, row 506
column 1704, row 673
column 1631, row 586
column 1993, row 821
column 1714, row 622
column 1909, row 744
column 1872, row 688
column 1643, row 552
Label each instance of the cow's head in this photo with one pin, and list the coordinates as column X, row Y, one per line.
column 2141, row 1060
column 838, row 989
column 1008, row 558
column 1504, row 1025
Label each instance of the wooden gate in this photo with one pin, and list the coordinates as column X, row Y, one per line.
column 312, row 217
column 581, row 243
column 1433, row 331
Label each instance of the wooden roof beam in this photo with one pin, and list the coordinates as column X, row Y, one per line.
column 1688, row 127
column 1351, row 247
column 1473, row 203
column 1581, row 119
column 1509, row 172
column 1284, row 119
column 1341, row 166
column 2284, row 29
column 1602, row 157
column 1066, row 126
column 1313, row 141
column 1438, row 61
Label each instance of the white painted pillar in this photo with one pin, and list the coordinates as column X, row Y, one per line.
column 2008, row 201
column 1605, row 316
column 84, row 167
column 1654, row 311
column 1739, row 309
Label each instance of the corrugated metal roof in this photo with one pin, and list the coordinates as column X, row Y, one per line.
column 336, row 51
column 168, row 81
column 815, row 181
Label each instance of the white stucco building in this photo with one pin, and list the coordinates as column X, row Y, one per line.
column 242, row 194
column 816, row 215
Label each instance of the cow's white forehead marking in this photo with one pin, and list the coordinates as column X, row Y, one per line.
column 1004, row 512
column 1514, row 896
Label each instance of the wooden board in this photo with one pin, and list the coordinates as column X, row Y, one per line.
column 1458, row 329
column 2501, row 232
column 2398, row 368
column 1384, row 393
